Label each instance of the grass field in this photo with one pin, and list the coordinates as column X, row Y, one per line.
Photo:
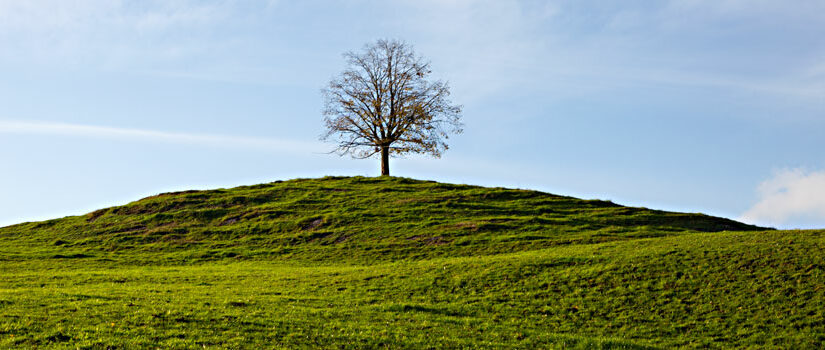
column 392, row 262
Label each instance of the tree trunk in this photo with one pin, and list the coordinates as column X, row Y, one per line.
column 385, row 160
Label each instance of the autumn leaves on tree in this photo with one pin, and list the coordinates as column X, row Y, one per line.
column 383, row 104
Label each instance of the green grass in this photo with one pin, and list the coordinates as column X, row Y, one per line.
column 393, row 262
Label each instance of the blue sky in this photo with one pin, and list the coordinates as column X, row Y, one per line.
column 714, row 106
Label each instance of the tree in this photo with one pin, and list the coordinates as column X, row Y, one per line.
column 384, row 104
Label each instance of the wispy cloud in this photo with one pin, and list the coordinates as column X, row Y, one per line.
column 790, row 195
column 485, row 47
column 107, row 34
column 562, row 48
column 106, row 132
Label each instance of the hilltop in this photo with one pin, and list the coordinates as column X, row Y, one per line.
column 350, row 219
column 354, row 262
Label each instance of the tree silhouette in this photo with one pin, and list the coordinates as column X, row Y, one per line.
column 384, row 104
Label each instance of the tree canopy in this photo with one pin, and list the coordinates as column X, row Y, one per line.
column 384, row 103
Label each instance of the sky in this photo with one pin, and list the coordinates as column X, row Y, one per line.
column 712, row 106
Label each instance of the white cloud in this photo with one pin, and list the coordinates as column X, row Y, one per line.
column 790, row 195
column 224, row 141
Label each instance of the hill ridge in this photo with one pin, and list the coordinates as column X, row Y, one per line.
column 351, row 262
column 309, row 218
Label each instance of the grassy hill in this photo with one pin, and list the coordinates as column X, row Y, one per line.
column 393, row 262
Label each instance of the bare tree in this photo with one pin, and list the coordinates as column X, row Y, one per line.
column 384, row 104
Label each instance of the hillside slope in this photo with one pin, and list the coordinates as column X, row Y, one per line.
column 399, row 263
column 353, row 219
